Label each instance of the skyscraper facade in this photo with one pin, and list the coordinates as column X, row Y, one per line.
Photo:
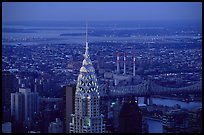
column 87, row 117
column 69, row 104
column 130, row 117
column 24, row 104
column 9, row 85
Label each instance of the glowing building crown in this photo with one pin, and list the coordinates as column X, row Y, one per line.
column 87, row 81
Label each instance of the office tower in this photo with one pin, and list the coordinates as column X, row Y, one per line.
column 130, row 117
column 87, row 117
column 104, row 108
column 69, row 104
column 24, row 105
column 17, row 106
column 116, row 107
column 195, row 120
column 56, row 126
column 48, row 115
column 175, row 121
column 9, row 85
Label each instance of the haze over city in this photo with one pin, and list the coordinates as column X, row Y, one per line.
column 101, row 11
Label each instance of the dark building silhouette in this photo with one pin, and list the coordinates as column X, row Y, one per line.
column 195, row 120
column 69, row 96
column 24, row 107
column 130, row 117
column 48, row 115
column 175, row 121
column 180, row 121
column 108, row 114
column 116, row 108
column 9, row 85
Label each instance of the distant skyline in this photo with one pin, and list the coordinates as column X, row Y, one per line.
column 101, row 11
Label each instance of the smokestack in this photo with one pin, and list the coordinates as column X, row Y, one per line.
column 134, row 66
column 124, row 64
column 118, row 63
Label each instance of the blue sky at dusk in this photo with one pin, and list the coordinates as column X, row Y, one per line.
column 101, row 11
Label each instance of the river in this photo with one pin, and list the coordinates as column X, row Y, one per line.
column 173, row 102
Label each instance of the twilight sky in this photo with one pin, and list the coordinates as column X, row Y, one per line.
column 101, row 11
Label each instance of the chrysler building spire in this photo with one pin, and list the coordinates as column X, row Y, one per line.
column 86, row 34
column 87, row 47
column 87, row 117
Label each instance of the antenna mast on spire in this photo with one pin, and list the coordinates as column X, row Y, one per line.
column 87, row 47
column 86, row 33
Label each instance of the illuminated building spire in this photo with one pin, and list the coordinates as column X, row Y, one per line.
column 87, row 117
column 86, row 55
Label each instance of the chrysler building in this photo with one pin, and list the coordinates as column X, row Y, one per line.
column 87, row 117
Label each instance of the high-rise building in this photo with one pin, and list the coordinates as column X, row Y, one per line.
column 130, row 117
column 87, row 117
column 175, row 121
column 9, row 85
column 195, row 120
column 116, row 107
column 69, row 104
column 24, row 104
